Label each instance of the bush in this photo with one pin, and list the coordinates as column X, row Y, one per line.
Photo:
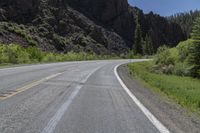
column 171, row 61
column 3, row 55
column 132, row 55
column 49, row 57
column 35, row 54
column 175, row 60
column 15, row 54
column 182, row 69
column 165, row 56
column 184, row 50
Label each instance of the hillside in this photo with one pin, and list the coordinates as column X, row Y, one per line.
column 103, row 26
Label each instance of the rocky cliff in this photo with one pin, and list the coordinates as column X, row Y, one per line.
column 121, row 17
column 100, row 26
column 112, row 14
column 21, row 11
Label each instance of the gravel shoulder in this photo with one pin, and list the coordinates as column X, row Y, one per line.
column 172, row 115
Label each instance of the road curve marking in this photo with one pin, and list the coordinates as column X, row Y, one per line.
column 161, row 128
column 31, row 85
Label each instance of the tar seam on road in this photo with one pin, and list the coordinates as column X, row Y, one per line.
column 50, row 127
column 31, row 85
column 56, row 118
column 148, row 114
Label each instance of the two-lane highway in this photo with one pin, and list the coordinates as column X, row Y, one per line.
column 73, row 97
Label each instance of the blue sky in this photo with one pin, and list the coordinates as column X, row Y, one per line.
column 166, row 7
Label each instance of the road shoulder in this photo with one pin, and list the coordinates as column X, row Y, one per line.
column 174, row 117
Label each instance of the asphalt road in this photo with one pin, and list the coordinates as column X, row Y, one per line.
column 73, row 97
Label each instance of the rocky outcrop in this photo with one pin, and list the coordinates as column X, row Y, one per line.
column 100, row 26
column 112, row 14
column 56, row 24
column 119, row 16
column 21, row 11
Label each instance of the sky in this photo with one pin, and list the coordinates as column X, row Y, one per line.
column 166, row 7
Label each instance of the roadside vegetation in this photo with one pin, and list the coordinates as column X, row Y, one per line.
column 184, row 90
column 175, row 72
column 16, row 54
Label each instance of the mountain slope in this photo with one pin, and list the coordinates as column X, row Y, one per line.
column 101, row 26
column 54, row 25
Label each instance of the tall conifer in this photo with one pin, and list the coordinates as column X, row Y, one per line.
column 194, row 57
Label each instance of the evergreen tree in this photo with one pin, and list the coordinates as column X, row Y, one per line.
column 145, row 46
column 194, row 58
column 148, row 46
column 185, row 20
column 137, row 47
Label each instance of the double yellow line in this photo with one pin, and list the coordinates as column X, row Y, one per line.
column 24, row 88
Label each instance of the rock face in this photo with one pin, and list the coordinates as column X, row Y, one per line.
column 112, row 14
column 162, row 31
column 57, row 27
column 20, row 10
column 119, row 16
column 100, row 26
column 103, row 11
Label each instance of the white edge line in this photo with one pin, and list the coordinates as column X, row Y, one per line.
column 148, row 114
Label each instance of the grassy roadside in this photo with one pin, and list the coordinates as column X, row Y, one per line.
column 184, row 90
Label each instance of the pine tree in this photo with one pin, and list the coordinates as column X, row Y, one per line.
column 137, row 47
column 145, row 46
column 194, row 58
column 151, row 35
column 185, row 20
column 148, row 46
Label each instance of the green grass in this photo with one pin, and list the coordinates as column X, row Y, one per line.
column 184, row 90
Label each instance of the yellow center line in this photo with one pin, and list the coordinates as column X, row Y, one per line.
column 31, row 85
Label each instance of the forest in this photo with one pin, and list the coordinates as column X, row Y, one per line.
column 185, row 20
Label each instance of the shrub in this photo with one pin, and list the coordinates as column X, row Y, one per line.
column 3, row 55
column 16, row 54
column 165, row 57
column 182, row 69
column 132, row 55
column 35, row 54
column 184, row 50
column 167, row 62
column 49, row 57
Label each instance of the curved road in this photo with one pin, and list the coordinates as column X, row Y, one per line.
column 73, row 97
